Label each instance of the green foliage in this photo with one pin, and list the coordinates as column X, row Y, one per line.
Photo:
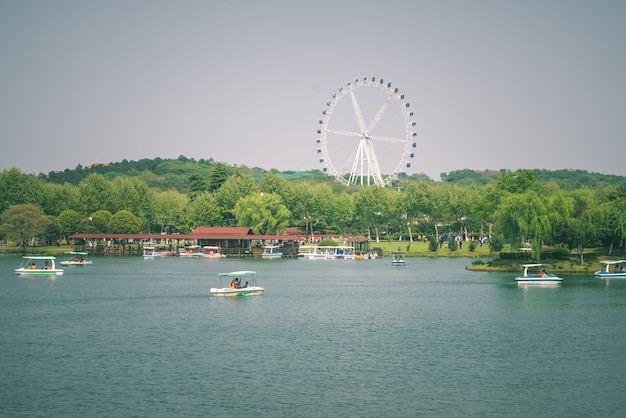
column 496, row 244
column 23, row 223
column 472, row 246
column 124, row 222
column 433, row 245
column 264, row 213
column 453, row 245
column 69, row 221
column 173, row 195
column 559, row 253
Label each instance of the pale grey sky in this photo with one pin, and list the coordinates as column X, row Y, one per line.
column 493, row 84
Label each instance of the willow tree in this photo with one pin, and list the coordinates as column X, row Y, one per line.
column 264, row 213
column 524, row 217
column 584, row 223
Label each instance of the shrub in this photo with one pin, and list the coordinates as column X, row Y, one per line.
column 453, row 245
column 433, row 245
column 559, row 253
column 496, row 245
column 472, row 246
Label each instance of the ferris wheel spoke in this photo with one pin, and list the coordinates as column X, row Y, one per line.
column 357, row 113
column 344, row 133
column 386, row 139
column 379, row 115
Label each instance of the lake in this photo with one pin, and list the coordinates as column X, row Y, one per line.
column 142, row 338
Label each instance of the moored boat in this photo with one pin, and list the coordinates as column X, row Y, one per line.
column 148, row 253
column 211, row 251
column 39, row 265
column 271, row 251
column 606, row 272
column 241, row 283
column 163, row 252
column 190, row 251
column 326, row 252
column 542, row 276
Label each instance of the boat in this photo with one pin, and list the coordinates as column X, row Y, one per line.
column 163, row 252
column 235, row 288
column 39, row 265
column 542, row 276
column 397, row 258
column 211, row 251
column 365, row 256
column 76, row 258
column 148, row 253
column 326, row 252
column 605, row 269
column 190, row 251
column 271, row 251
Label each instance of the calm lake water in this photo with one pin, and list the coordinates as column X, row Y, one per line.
column 142, row 338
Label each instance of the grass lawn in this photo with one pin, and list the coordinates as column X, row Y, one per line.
column 420, row 249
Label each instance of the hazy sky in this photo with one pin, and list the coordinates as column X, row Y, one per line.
column 493, row 84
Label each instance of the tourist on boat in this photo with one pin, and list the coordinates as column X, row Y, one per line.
column 47, row 266
column 245, row 285
column 33, row 266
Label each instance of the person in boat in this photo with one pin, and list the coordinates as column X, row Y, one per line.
column 47, row 266
column 245, row 285
column 33, row 266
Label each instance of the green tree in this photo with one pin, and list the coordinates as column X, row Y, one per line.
column 17, row 188
column 197, row 185
column 23, row 223
column 370, row 207
column 204, row 210
column 128, row 193
column 264, row 213
column 97, row 223
column 69, row 222
column 124, row 222
column 169, row 209
column 217, row 176
column 96, row 193
column 234, row 188
column 524, row 217
column 585, row 215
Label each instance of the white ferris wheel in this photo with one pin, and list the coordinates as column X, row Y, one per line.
column 375, row 152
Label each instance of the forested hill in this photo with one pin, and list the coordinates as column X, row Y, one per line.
column 566, row 179
column 167, row 174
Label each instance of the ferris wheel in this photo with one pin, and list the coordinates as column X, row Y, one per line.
column 355, row 152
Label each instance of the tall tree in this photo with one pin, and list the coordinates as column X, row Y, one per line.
column 264, row 213
column 169, row 208
column 204, row 210
column 217, row 176
column 96, row 193
column 124, row 222
column 234, row 188
column 23, row 223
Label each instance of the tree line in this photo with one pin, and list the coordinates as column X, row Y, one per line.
column 515, row 207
